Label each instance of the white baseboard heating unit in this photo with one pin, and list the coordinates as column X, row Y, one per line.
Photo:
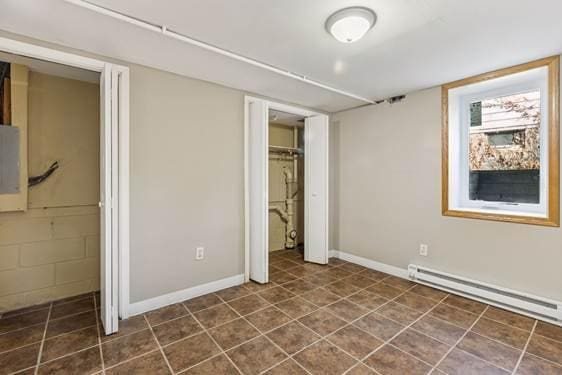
column 523, row 303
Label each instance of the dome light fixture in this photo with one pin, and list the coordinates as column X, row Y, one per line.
column 348, row 25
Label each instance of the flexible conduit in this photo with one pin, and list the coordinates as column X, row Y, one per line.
column 162, row 29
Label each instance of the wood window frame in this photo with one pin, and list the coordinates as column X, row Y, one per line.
column 552, row 218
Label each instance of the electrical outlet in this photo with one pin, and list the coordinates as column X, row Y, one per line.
column 423, row 250
column 199, row 253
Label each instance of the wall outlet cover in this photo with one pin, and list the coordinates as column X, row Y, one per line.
column 199, row 253
column 423, row 250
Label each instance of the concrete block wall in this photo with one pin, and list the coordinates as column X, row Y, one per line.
column 48, row 254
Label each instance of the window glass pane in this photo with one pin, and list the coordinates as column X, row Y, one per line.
column 504, row 152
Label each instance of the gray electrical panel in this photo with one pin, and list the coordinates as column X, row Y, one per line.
column 9, row 159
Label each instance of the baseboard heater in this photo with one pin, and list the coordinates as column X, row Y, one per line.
column 523, row 303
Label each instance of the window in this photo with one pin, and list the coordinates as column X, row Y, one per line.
column 501, row 145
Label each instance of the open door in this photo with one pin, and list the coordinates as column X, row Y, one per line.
column 316, row 189
column 258, row 190
column 108, row 190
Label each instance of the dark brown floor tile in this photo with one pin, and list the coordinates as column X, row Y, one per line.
column 337, row 273
column 23, row 320
column 390, row 361
column 233, row 333
column 399, row 313
column 428, row 292
column 152, row 363
column 214, row 366
column 300, row 271
column 374, row 274
column 321, row 297
column 9, row 314
column 341, row 288
column 324, row 358
column 384, row 290
column 346, row 310
column 276, row 294
column 288, row 367
column 254, row 287
column 361, row 369
column 19, row 359
column 398, row 282
column 531, row 365
column 216, row 315
column 164, row 314
column 415, row 302
column 190, row 351
column 300, row 286
column 314, row 268
column 549, row 330
column 268, row 319
column 466, row 304
column 233, row 292
column 439, row 329
column 202, row 302
column 453, row 315
column 379, row 326
column 359, row 281
column 283, row 264
column 256, row 356
column 176, row 329
column 354, row 341
column 72, row 298
column 85, row 362
column 458, row 362
column 320, row 279
column 249, row 304
column 29, row 371
column 127, row 326
column 367, row 299
column 71, row 323
column 490, row 351
column 322, row 322
column 292, row 337
column 508, row 335
column 21, row 337
column 351, row 267
column 72, row 308
column 69, row 343
column 296, row 307
column 336, row 262
column 509, row 318
column 545, row 348
column 420, row 346
column 282, row 277
column 126, row 347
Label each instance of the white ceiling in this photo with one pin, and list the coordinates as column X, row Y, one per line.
column 415, row 43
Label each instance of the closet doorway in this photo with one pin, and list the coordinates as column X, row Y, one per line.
column 286, row 184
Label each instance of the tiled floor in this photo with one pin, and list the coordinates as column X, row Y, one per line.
column 334, row 319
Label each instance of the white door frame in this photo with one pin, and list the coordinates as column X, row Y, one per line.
column 120, row 159
column 283, row 108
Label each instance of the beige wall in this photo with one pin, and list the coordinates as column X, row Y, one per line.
column 187, row 182
column 387, row 200
column 280, row 135
column 52, row 250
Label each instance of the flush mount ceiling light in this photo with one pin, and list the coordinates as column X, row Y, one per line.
column 350, row 24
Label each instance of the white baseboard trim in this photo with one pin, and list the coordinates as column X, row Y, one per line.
column 140, row 307
column 374, row 265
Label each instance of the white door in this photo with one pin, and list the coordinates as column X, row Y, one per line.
column 316, row 189
column 108, row 240
column 258, row 152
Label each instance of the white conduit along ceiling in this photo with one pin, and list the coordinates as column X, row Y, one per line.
column 162, row 29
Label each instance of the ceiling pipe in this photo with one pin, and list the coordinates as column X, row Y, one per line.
column 162, row 29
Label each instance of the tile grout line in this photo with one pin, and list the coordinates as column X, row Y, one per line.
column 98, row 318
column 525, row 348
column 460, row 339
column 221, row 351
column 43, row 339
column 158, row 344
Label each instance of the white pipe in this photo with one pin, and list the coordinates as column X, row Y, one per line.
column 172, row 34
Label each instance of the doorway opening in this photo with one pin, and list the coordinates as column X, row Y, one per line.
column 53, row 148
column 286, row 185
